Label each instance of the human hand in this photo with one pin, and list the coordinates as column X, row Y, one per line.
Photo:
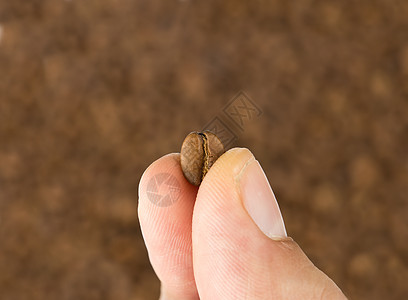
column 225, row 239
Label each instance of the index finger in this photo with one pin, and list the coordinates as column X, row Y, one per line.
column 166, row 202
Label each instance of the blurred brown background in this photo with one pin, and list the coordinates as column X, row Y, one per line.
column 91, row 92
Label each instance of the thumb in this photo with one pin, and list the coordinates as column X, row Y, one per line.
column 240, row 246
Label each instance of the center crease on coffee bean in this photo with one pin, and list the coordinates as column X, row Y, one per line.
column 206, row 155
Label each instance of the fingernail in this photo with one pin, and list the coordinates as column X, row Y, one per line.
column 260, row 202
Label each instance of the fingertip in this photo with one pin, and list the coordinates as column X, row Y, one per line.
column 165, row 196
column 220, row 178
column 165, row 164
column 233, row 161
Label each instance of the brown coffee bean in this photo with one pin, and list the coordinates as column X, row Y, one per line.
column 198, row 153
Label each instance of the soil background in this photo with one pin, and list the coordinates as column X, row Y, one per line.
column 92, row 92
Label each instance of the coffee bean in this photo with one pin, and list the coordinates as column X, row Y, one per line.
column 198, row 153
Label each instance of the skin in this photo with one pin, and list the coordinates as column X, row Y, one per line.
column 206, row 246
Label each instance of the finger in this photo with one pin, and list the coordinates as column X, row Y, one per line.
column 239, row 239
column 166, row 202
